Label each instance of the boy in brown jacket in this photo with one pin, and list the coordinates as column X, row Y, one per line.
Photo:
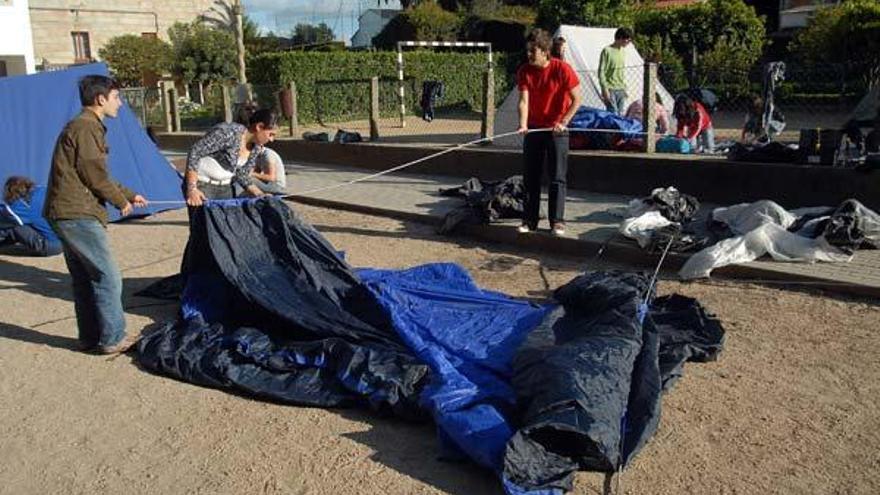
column 79, row 187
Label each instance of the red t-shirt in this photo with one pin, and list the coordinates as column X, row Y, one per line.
column 692, row 129
column 548, row 89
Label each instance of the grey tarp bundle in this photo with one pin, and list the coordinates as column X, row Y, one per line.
column 602, row 343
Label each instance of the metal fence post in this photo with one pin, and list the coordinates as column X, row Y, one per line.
column 175, row 109
column 400, row 91
column 227, row 103
column 649, row 109
column 487, row 126
column 374, row 109
column 166, row 105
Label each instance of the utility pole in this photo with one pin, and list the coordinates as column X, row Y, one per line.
column 239, row 41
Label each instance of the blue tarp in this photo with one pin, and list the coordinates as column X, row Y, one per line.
column 594, row 118
column 35, row 109
column 531, row 391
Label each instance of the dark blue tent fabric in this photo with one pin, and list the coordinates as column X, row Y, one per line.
column 593, row 118
column 532, row 392
column 36, row 107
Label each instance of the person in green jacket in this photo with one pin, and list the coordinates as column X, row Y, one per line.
column 611, row 79
column 79, row 187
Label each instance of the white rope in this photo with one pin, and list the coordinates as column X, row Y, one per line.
column 420, row 160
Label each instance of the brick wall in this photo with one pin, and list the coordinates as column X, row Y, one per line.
column 52, row 22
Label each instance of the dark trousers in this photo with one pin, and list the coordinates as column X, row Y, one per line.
column 33, row 242
column 538, row 148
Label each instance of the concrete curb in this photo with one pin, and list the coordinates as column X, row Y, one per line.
column 615, row 251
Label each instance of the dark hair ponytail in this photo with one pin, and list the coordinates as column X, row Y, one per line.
column 264, row 116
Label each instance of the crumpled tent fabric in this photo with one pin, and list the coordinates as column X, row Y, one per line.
column 772, row 152
column 674, row 205
column 485, row 202
column 762, row 228
column 853, row 226
column 271, row 310
column 599, row 343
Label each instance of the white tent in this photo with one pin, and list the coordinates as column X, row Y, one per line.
column 582, row 49
column 868, row 108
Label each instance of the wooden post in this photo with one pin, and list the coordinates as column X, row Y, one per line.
column 175, row 109
column 487, row 127
column 294, row 119
column 649, row 109
column 166, row 105
column 227, row 103
column 374, row 109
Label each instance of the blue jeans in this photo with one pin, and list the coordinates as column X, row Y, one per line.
column 617, row 101
column 707, row 141
column 97, row 283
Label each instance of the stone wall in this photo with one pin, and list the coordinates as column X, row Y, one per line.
column 53, row 21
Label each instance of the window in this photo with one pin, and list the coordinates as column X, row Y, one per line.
column 82, row 52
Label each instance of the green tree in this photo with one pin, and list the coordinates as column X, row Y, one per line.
column 130, row 56
column 720, row 38
column 426, row 21
column 848, row 33
column 202, row 54
column 607, row 13
column 309, row 34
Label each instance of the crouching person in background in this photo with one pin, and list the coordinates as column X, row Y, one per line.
column 268, row 173
column 21, row 218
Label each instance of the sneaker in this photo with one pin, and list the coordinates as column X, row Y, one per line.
column 120, row 347
column 524, row 229
column 558, row 229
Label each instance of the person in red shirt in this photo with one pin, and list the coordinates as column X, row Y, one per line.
column 549, row 96
column 693, row 123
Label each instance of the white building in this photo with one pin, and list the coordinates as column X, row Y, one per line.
column 795, row 14
column 16, row 41
column 371, row 23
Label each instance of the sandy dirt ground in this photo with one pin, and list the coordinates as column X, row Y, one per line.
column 790, row 407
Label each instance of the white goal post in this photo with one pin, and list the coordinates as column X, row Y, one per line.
column 432, row 44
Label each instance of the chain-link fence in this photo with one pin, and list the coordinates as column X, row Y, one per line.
column 146, row 104
column 808, row 97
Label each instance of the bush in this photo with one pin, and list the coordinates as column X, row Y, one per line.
column 461, row 74
column 727, row 35
column 846, row 34
column 130, row 56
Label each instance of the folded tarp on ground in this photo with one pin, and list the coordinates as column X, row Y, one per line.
column 272, row 310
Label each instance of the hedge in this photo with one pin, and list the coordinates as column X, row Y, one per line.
column 333, row 86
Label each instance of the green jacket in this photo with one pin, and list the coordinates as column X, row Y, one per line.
column 79, row 183
column 611, row 64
